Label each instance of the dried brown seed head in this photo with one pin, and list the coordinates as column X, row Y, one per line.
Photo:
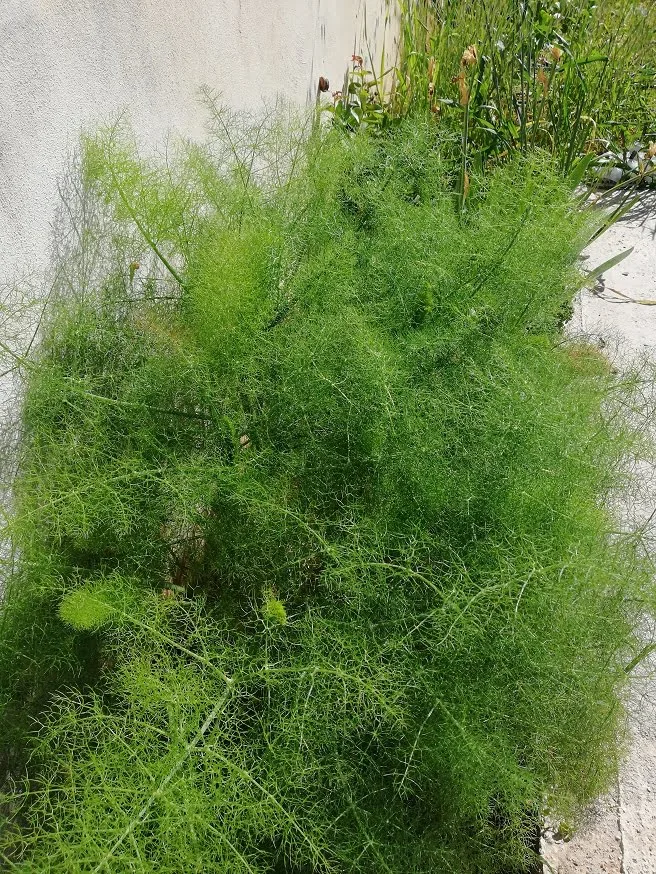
column 462, row 89
column 556, row 53
column 469, row 56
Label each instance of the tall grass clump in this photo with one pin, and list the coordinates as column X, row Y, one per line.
column 572, row 77
column 310, row 565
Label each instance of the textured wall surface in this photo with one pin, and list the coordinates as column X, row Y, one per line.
column 69, row 64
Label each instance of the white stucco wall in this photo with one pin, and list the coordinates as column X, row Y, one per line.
column 67, row 64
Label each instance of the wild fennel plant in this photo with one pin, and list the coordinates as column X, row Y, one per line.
column 311, row 570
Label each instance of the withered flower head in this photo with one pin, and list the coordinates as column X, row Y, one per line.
column 556, row 53
column 463, row 90
column 469, row 56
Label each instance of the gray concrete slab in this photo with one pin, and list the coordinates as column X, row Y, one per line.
column 596, row 846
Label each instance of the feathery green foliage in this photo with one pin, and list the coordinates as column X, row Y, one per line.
column 312, row 570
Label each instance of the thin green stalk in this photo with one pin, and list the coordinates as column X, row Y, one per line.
column 462, row 186
column 142, row 229
column 159, row 792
